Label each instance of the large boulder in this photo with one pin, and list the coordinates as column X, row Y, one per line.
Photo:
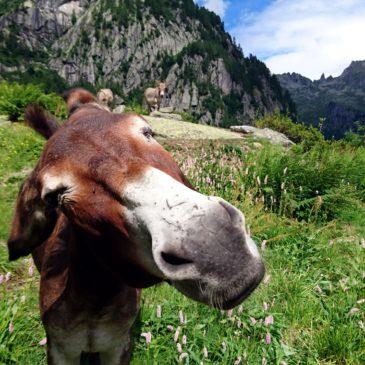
column 265, row 133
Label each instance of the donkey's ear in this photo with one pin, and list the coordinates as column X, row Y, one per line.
column 33, row 221
column 78, row 97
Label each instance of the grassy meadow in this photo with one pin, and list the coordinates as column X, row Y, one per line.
column 306, row 209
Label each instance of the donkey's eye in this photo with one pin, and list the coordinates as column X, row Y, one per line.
column 54, row 198
column 147, row 132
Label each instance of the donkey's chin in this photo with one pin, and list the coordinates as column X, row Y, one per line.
column 223, row 296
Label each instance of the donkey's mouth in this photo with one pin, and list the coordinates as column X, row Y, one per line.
column 245, row 293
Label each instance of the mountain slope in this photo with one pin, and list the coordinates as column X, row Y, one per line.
column 340, row 100
column 127, row 45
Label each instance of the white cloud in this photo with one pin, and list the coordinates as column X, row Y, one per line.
column 218, row 6
column 306, row 36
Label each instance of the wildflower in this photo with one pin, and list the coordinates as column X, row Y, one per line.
column 179, row 348
column 23, row 298
column 11, row 327
column 2, row 278
column 184, row 340
column 283, row 363
column 265, row 306
column 158, row 311
column 268, row 339
column 246, row 172
column 31, row 270
column 361, row 325
column 258, row 181
column 147, row 336
column 300, row 188
column 170, row 328
column 239, row 323
column 238, row 361
column 266, row 179
column 282, row 185
column 7, row 276
column 264, row 361
column 240, row 309
column 229, row 313
column 177, row 334
column 331, row 242
column 205, row 352
column 253, row 320
column 318, row 289
column 361, row 301
column 43, row 342
column 353, row 311
column 269, row 320
column 266, row 279
column 285, row 170
column 263, row 245
column 183, row 356
column 181, row 317
column 224, row 346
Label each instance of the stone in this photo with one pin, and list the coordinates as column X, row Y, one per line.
column 166, row 109
column 119, row 109
column 265, row 133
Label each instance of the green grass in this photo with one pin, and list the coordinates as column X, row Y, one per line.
column 313, row 255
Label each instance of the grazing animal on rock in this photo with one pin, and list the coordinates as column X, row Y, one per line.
column 154, row 96
column 106, row 212
column 105, row 97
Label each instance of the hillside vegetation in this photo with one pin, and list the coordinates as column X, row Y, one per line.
column 305, row 208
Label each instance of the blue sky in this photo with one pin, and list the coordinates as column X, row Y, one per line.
column 310, row 37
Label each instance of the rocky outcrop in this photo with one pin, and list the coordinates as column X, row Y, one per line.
column 127, row 45
column 272, row 136
column 336, row 104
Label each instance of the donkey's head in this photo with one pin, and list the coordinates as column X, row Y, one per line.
column 162, row 88
column 125, row 197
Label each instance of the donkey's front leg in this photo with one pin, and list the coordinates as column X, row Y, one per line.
column 57, row 356
column 117, row 356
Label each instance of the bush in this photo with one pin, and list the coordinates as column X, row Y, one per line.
column 298, row 133
column 15, row 97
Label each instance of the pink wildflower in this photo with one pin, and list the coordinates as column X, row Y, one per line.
column 184, row 340
column 361, row 301
column 158, row 311
column 238, row 361
column 43, row 342
column 268, row 339
column 7, row 276
column 177, row 334
column 31, row 270
column 205, row 352
column 230, row 313
column 239, row 323
column 353, row 311
column 253, row 320
column 179, row 348
column 240, row 309
column 2, row 278
column 269, row 320
column 265, row 306
column 11, row 327
column 181, row 317
column 170, row 328
column 147, row 336
column 263, row 245
column 183, row 356
column 224, row 346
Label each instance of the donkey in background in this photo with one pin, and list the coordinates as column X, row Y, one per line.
column 153, row 96
column 106, row 212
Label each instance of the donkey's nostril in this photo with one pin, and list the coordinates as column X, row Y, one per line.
column 173, row 259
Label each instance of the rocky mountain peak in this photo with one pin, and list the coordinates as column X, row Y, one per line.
column 128, row 45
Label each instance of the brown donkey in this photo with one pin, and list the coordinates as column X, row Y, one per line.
column 107, row 211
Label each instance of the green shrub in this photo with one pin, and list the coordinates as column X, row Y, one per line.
column 15, row 97
column 298, row 133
